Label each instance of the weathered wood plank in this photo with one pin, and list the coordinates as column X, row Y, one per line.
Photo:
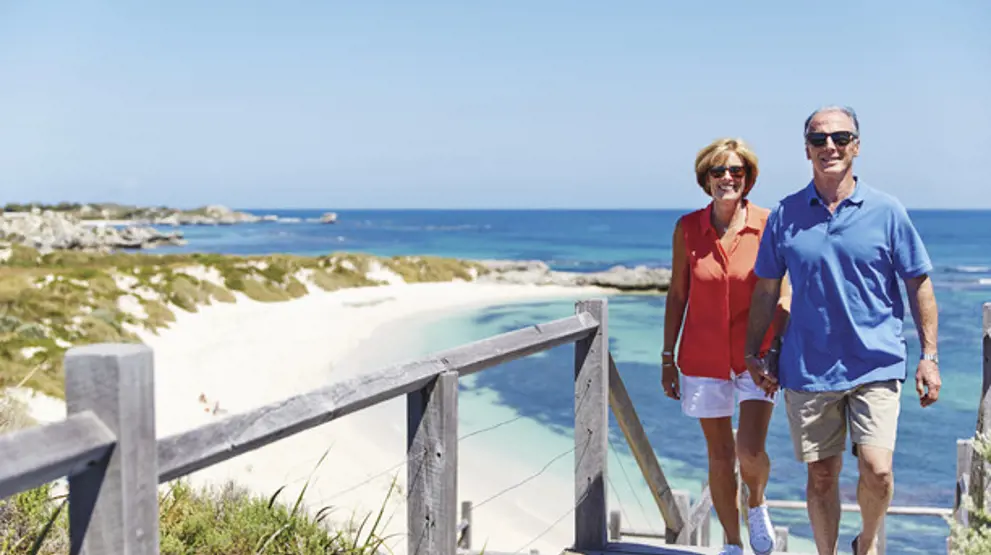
column 38, row 455
column 113, row 505
column 684, row 502
column 432, row 467
column 636, row 438
column 854, row 508
column 591, row 429
column 698, row 514
column 213, row 443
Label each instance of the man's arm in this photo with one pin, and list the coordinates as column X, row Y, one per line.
column 763, row 307
column 922, row 301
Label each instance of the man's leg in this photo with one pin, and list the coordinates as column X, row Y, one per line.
column 874, row 490
column 823, row 493
column 874, row 410
column 818, row 425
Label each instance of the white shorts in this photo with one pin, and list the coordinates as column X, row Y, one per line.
column 713, row 397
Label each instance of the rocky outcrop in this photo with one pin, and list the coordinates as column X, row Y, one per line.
column 208, row 215
column 535, row 272
column 48, row 231
column 215, row 214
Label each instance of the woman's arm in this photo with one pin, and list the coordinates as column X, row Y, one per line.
column 677, row 297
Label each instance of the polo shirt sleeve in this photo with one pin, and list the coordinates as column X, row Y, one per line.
column 908, row 251
column 770, row 262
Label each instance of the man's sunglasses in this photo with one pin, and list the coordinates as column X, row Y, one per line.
column 840, row 138
column 735, row 171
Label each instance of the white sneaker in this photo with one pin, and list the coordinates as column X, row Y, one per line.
column 761, row 530
column 731, row 549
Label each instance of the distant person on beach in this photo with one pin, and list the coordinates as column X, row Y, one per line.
column 714, row 250
column 844, row 246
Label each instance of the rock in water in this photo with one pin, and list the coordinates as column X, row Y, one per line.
column 48, row 231
column 536, row 272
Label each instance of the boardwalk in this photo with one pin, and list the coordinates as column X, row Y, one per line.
column 645, row 549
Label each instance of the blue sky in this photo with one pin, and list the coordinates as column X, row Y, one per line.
column 509, row 103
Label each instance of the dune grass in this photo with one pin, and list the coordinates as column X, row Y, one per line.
column 51, row 302
column 223, row 520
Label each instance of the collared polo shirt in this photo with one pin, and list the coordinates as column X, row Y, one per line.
column 721, row 284
column 846, row 309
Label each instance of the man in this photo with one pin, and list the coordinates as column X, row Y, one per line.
column 842, row 360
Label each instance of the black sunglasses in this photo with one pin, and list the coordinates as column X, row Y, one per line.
column 735, row 171
column 840, row 138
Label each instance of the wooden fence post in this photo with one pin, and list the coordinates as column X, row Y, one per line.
column 591, row 429
column 881, row 544
column 615, row 526
column 432, row 466
column 979, row 467
column 465, row 540
column 684, row 502
column 965, row 453
column 781, row 539
column 113, row 505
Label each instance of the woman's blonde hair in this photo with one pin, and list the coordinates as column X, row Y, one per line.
column 716, row 153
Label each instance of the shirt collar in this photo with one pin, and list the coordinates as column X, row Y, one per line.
column 812, row 195
column 752, row 223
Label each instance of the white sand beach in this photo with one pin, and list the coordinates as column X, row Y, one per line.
column 229, row 358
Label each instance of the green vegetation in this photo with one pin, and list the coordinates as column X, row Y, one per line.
column 974, row 539
column 206, row 521
column 51, row 302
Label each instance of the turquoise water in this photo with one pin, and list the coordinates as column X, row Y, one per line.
column 539, row 387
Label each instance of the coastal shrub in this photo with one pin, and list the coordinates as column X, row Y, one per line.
column 974, row 539
column 223, row 520
column 415, row 269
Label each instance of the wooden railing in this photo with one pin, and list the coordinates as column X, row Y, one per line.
column 108, row 448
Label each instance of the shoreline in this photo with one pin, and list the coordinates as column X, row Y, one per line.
column 229, row 358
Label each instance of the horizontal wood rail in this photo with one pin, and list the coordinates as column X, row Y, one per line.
column 36, row 456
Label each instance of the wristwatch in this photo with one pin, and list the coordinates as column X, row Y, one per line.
column 930, row 356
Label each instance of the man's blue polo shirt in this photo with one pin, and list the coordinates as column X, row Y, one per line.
column 846, row 306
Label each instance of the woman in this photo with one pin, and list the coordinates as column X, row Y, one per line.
column 714, row 250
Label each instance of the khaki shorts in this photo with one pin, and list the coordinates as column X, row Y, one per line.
column 819, row 420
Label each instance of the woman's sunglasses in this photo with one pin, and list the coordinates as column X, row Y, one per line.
column 735, row 171
column 840, row 138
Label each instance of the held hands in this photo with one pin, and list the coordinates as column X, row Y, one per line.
column 927, row 382
column 764, row 372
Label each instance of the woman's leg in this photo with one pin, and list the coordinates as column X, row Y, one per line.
column 755, row 467
column 722, row 480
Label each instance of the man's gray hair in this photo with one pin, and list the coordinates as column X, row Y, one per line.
column 845, row 109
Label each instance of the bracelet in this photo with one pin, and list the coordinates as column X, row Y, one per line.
column 667, row 365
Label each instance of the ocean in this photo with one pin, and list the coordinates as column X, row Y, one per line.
column 538, row 387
